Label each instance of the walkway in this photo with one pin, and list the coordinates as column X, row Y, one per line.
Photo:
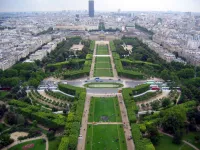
column 83, row 129
column 93, row 61
column 125, row 120
column 43, row 136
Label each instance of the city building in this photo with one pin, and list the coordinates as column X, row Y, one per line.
column 91, row 8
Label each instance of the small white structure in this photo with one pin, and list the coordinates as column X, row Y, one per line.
column 127, row 48
column 77, row 47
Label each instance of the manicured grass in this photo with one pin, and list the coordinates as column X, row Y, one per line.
column 108, row 107
column 102, row 59
column 103, row 73
column 103, row 85
column 103, row 65
column 54, row 144
column 102, row 50
column 38, row 145
column 105, row 137
column 166, row 144
column 190, row 137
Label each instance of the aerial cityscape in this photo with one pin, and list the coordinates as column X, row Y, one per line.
column 99, row 75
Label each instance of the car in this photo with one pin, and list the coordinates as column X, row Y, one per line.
column 119, row 79
column 110, row 79
column 86, row 81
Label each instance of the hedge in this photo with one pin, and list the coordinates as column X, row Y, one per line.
column 146, row 96
column 72, row 126
column 140, row 89
column 140, row 142
column 64, row 143
column 80, row 73
column 127, row 73
column 69, row 89
column 65, row 64
column 126, row 62
column 34, row 113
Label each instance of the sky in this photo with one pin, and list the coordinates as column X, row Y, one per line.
column 101, row 5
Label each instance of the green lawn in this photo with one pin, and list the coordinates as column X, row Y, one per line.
column 190, row 137
column 108, row 107
column 38, row 145
column 102, row 59
column 103, row 65
column 103, row 85
column 54, row 144
column 103, row 73
column 105, row 137
column 102, row 50
column 166, row 144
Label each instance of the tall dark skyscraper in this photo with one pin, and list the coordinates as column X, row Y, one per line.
column 91, row 8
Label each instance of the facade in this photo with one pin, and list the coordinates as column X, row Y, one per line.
column 91, row 8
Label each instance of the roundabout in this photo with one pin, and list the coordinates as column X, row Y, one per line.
column 103, row 85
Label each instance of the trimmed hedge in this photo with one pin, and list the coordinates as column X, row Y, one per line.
column 80, row 73
column 64, row 143
column 147, row 96
column 140, row 142
column 47, row 119
column 69, row 89
column 140, row 89
column 72, row 126
column 65, row 64
column 126, row 62
column 127, row 73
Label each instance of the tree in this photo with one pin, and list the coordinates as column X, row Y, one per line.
column 173, row 119
column 3, row 109
column 155, row 105
column 33, row 82
column 166, row 102
column 165, row 75
column 186, row 73
column 5, row 140
column 153, row 134
column 50, row 135
column 11, row 118
column 177, row 137
column 72, row 142
column 35, row 123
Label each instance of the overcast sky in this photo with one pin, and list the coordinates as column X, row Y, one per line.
column 105, row 5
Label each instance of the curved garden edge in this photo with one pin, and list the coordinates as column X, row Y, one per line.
column 191, row 145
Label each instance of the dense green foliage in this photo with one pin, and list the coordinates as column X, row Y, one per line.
column 22, row 73
column 34, row 113
column 140, row 142
column 72, row 126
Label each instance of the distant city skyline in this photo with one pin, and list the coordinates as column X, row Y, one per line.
column 100, row 5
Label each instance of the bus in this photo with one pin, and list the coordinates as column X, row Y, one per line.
column 150, row 82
